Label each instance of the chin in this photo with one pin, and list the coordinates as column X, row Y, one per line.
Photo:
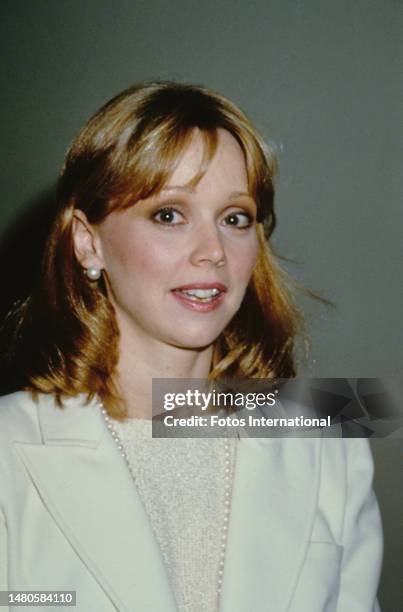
column 195, row 341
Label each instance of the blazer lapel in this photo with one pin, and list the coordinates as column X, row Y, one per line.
column 273, row 508
column 87, row 488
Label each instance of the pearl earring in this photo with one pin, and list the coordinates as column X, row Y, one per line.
column 93, row 273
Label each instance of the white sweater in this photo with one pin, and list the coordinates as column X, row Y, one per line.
column 181, row 482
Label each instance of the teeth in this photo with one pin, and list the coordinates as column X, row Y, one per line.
column 201, row 293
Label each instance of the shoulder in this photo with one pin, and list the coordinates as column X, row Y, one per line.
column 28, row 421
column 22, row 416
column 20, row 419
column 18, row 423
column 346, row 453
column 18, row 416
column 342, row 459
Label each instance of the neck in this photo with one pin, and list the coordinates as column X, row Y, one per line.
column 141, row 361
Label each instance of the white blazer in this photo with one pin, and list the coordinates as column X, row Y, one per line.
column 304, row 534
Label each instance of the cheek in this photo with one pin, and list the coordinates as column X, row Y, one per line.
column 253, row 256
column 244, row 259
column 135, row 260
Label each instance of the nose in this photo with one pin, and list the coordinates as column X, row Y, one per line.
column 207, row 246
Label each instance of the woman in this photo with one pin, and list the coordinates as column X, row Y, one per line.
column 157, row 266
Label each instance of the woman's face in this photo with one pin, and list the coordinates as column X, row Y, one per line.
column 178, row 263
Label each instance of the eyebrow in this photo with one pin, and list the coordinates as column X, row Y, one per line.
column 232, row 196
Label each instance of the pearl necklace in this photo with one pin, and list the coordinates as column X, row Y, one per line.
column 227, row 488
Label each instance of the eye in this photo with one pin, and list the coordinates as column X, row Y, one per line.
column 167, row 216
column 240, row 220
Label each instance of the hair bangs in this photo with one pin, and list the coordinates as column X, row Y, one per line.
column 156, row 158
column 139, row 167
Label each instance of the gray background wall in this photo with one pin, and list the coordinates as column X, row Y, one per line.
column 321, row 79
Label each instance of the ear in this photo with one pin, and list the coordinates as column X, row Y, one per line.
column 86, row 242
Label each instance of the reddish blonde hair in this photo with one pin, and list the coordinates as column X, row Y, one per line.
column 126, row 152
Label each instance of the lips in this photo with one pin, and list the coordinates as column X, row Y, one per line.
column 202, row 291
column 202, row 297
